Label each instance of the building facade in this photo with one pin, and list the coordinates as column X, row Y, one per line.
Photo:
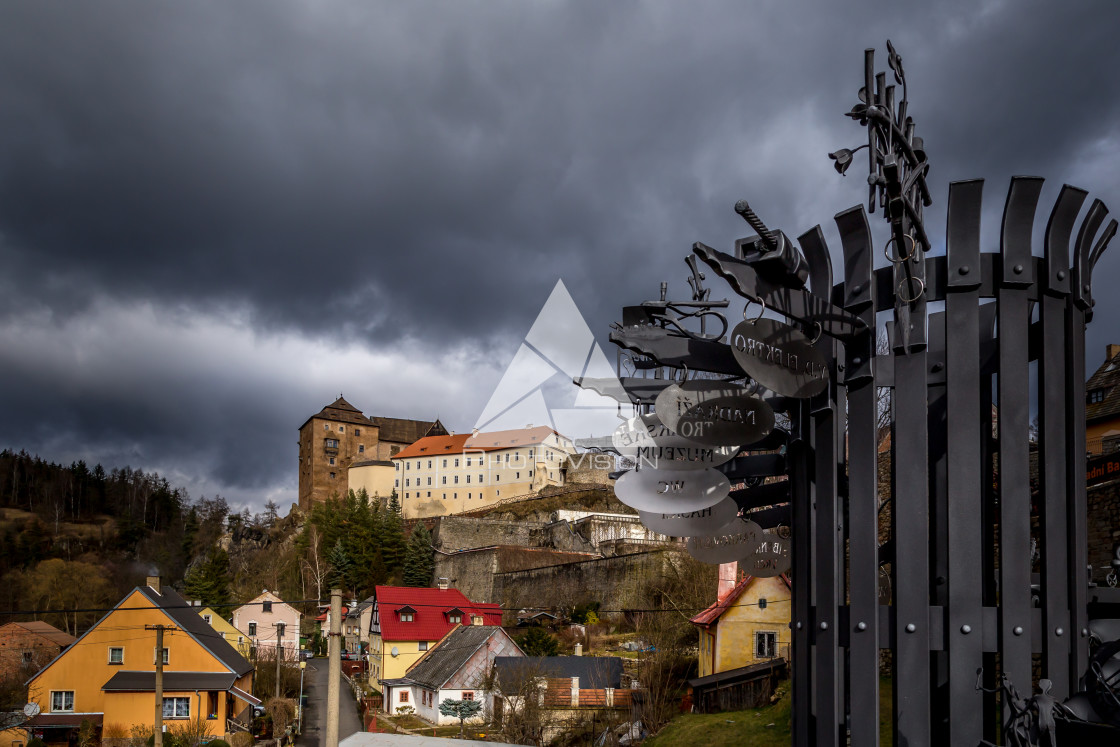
column 107, row 676
column 441, row 475
column 748, row 624
column 269, row 622
column 1102, row 405
column 339, row 436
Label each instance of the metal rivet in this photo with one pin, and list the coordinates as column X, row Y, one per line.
column 966, row 629
column 857, row 361
column 861, row 626
column 1061, row 274
column 936, row 367
column 1017, row 269
column 799, row 626
column 1017, row 630
column 1086, row 288
column 1084, row 632
column 824, row 626
column 964, row 269
column 911, row 627
column 1058, row 631
column 839, row 366
column 856, row 288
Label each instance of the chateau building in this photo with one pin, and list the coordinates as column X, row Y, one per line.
column 340, row 437
column 441, row 475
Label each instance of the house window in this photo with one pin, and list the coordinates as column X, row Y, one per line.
column 176, row 707
column 332, row 443
column 456, row 462
column 429, row 481
column 266, row 606
column 341, row 429
column 456, row 479
column 406, row 617
column 326, row 427
column 765, row 645
column 1096, row 395
column 252, row 629
column 279, row 630
column 444, row 462
column 361, row 448
column 396, row 483
column 26, row 657
column 404, row 696
column 468, row 695
column 332, row 475
column 480, row 479
column 429, row 464
column 62, row 700
column 116, row 655
column 468, row 479
column 331, row 460
column 429, row 494
column 166, row 657
column 517, row 476
column 455, row 618
column 445, row 479
column 423, row 645
column 206, row 619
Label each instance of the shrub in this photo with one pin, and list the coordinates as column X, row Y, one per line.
column 218, row 743
column 241, row 739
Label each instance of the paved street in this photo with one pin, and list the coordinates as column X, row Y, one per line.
column 315, row 686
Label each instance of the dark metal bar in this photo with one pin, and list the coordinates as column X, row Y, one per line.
column 1014, row 454
column 801, row 617
column 963, row 451
column 863, row 489
column 936, row 383
column 1052, row 415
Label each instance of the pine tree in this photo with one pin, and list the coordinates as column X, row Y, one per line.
column 342, row 567
column 419, row 560
column 209, row 580
column 392, row 536
column 537, row 642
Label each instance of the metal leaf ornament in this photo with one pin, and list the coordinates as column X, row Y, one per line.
column 843, row 159
column 895, row 62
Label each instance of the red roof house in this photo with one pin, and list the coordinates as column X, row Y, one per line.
column 407, row 620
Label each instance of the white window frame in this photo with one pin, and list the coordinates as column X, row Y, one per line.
column 62, row 693
column 177, row 713
column 111, row 650
column 759, row 636
column 166, row 656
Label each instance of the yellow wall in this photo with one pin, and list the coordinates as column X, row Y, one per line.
column 385, row 666
column 84, row 668
column 377, row 479
column 730, row 642
column 227, row 631
column 16, row 737
column 1095, row 432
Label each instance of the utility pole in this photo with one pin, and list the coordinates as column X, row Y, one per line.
column 334, row 668
column 158, row 736
column 279, row 653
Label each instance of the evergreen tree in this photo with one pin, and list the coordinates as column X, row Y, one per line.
column 392, row 537
column 342, row 568
column 419, row 559
column 537, row 642
column 209, row 580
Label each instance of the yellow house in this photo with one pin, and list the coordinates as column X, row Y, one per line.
column 748, row 624
column 225, row 629
column 406, row 621
column 107, row 676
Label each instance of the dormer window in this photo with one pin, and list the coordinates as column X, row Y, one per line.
column 1095, row 396
column 406, row 613
column 455, row 615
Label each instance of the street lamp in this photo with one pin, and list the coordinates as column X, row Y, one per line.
column 299, row 706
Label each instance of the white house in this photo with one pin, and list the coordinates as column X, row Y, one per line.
column 453, row 669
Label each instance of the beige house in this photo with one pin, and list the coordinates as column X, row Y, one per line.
column 268, row 621
column 441, row 475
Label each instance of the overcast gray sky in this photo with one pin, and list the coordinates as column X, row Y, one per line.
column 215, row 216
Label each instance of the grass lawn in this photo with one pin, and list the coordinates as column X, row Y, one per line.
column 757, row 727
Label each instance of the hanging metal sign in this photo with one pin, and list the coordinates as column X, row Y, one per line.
column 779, row 357
column 692, row 523
column 677, row 399
column 651, row 444
column 727, row 545
column 727, row 421
column 671, row 491
column 768, row 557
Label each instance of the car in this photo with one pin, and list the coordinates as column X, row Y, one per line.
column 304, row 654
column 346, row 655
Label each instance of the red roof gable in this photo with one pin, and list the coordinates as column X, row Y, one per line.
column 713, row 613
column 429, row 621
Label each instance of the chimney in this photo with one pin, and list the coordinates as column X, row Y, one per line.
column 579, row 650
column 442, row 583
column 1111, row 351
column 153, row 581
column 727, row 573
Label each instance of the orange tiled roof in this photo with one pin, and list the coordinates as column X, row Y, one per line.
column 435, row 445
column 713, row 613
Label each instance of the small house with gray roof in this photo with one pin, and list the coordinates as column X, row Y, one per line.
column 456, row 668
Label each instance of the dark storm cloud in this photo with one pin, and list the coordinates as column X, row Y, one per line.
column 412, row 177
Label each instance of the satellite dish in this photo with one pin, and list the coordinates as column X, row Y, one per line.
column 395, row 651
column 31, row 710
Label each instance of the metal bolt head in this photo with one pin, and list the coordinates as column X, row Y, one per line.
column 1017, row 630
column 911, row 627
column 824, row 626
column 1061, row 274
column 1017, row 269
column 861, row 626
column 1086, row 287
column 964, row 269
column 1058, row 631
column 1084, row 632
column 966, row 629
column 857, row 361
column 799, row 626
column 857, row 288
